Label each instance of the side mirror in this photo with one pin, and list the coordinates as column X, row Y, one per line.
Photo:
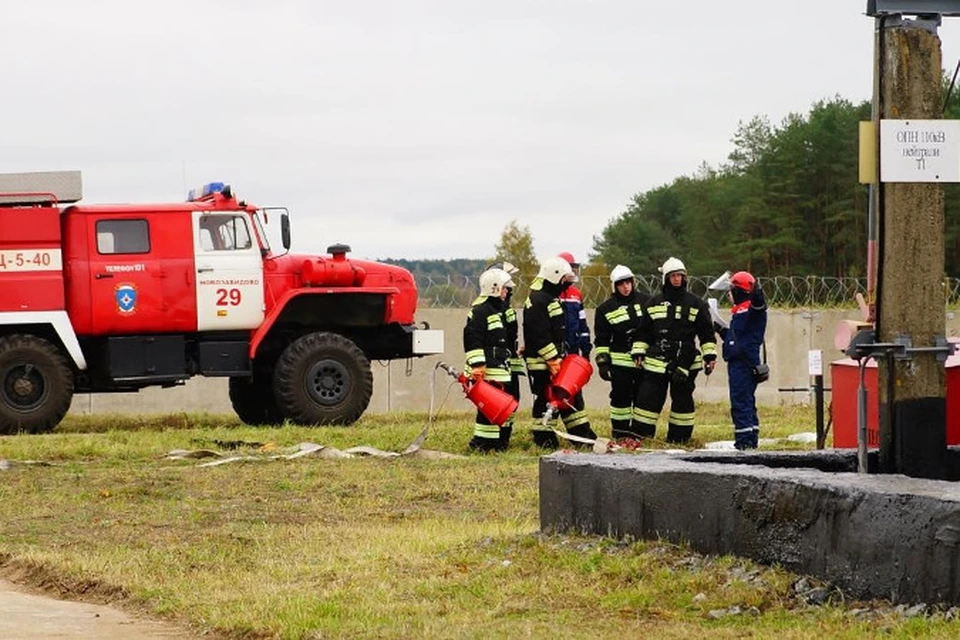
column 285, row 230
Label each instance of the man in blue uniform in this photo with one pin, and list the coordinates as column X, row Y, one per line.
column 741, row 352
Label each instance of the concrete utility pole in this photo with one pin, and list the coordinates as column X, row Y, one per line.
column 911, row 301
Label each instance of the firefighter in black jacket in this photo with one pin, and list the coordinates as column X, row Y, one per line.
column 673, row 321
column 617, row 322
column 543, row 334
column 487, row 352
column 517, row 368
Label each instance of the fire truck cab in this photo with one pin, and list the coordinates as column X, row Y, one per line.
column 115, row 298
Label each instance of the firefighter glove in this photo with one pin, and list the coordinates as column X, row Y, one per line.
column 477, row 373
column 604, row 371
column 603, row 366
column 553, row 366
column 709, row 362
column 638, row 359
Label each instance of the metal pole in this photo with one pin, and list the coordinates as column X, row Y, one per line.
column 818, row 396
column 389, row 389
column 862, row 418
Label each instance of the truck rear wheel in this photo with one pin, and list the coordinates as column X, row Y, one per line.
column 252, row 399
column 36, row 384
column 323, row 378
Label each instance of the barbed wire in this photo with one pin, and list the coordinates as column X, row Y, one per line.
column 781, row 291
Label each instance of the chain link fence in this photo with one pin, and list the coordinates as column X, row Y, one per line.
column 781, row 291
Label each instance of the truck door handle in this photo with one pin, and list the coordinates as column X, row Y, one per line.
column 101, row 276
column 204, row 269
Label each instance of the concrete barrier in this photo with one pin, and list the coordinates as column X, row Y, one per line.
column 875, row 536
column 403, row 386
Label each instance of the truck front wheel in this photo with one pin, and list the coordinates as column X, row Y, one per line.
column 323, row 378
column 36, row 384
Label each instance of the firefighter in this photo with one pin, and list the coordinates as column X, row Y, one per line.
column 517, row 368
column 543, row 338
column 741, row 352
column 576, row 331
column 485, row 344
column 617, row 322
column 674, row 320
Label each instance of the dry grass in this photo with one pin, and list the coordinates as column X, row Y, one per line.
column 397, row 548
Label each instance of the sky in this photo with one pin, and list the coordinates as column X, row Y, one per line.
column 415, row 128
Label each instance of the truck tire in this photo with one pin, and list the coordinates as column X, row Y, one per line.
column 323, row 378
column 253, row 401
column 36, row 384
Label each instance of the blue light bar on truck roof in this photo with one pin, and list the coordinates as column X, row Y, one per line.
column 205, row 191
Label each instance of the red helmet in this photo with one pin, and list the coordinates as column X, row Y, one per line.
column 743, row 280
column 566, row 255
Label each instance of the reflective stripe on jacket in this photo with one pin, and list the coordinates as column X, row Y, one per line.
column 485, row 339
column 542, row 325
column 616, row 327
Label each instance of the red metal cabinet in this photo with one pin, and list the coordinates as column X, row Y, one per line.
column 845, row 376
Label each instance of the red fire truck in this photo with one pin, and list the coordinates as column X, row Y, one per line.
column 115, row 298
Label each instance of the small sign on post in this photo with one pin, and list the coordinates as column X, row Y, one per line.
column 920, row 150
column 815, row 362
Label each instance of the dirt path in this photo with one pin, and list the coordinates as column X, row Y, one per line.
column 27, row 616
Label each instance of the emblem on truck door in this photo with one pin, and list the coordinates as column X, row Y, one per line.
column 126, row 296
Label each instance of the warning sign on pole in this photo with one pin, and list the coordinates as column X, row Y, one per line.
column 920, row 150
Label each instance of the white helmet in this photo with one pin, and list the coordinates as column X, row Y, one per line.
column 507, row 279
column 670, row 266
column 492, row 281
column 620, row 273
column 554, row 269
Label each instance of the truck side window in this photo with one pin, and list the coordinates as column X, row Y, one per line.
column 206, row 240
column 123, row 236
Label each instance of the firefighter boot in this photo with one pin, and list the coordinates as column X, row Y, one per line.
column 642, row 430
column 678, row 434
column 583, row 431
column 504, row 442
column 623, row 434
column 545, row 439
column 484, row 445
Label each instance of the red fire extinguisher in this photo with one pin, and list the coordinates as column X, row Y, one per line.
column 495, row 404
column 574, row 373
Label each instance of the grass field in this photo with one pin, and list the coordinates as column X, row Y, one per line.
column 367, row 547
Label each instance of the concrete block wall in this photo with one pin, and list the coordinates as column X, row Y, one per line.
column 403, row 386
column 875, row 536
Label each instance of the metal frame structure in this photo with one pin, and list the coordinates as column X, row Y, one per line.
column 876, row 8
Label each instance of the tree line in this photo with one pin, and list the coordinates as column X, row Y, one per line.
column 787, row 203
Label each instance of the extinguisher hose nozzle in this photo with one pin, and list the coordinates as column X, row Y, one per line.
column 548, row 414
column 450, row 370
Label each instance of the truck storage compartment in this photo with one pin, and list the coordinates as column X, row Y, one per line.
column 31, row 264
column 225, row 357
column 155, row 358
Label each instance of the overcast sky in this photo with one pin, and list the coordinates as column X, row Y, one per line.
column 414, row 128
